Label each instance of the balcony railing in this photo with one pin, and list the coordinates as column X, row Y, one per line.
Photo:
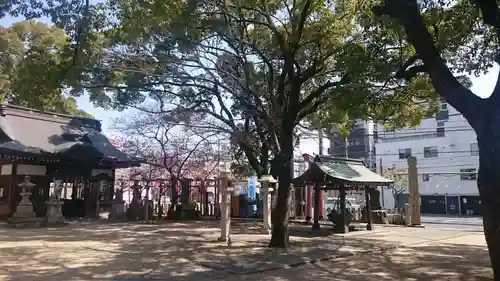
column 383, row 139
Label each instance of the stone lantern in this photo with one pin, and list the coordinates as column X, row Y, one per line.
column 118, row 211
column 24, row 215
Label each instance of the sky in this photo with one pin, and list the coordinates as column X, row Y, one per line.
column 481, row 86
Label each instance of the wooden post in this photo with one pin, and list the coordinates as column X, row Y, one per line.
column 369, row 218
column 343, row 227
column 317, row 195
column 309, row 202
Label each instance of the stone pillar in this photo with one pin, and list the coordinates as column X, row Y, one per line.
column 414, row 194
column 118, row 209
column 54, row 207
column 135, row 204
column 407, row 214
column 24, row 215
column 225, row 206
column 265, row 185
column 309, row 202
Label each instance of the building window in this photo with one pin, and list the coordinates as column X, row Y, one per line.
column 425, row 177
column 440, row 123
column 353, row 142
column 430, row 151
column 474, row 149
column 468, row 174
column 440, row 131
column 444, row 106
column 404, row 153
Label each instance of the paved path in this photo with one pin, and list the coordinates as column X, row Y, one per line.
column 189, row 251
column 456, row 220
column 472, row 224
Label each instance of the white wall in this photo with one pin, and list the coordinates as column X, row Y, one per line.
column 454, row 153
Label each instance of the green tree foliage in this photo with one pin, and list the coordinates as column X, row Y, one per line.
column 400, row 178
column 31, row 67
column 289, row 58
column 258, row 67
column 449, row 37
column 253, row 69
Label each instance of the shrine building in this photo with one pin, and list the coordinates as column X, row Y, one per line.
column 50, row 146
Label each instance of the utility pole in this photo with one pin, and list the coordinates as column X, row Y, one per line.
column 382, row 189
column 320, row 136
column 319, row 194
column 217, row 191
column 346, row 147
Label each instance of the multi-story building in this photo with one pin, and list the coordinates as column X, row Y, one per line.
column 359, row 144
column 447, row 161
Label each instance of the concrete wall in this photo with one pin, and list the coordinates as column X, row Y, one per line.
column 442, row 173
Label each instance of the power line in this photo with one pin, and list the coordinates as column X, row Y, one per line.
column 389, row 137
column 472, row 166
column 424, row 130
column 363, row 154
column 423, row 160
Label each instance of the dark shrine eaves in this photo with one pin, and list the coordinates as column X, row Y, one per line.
column 27, row 130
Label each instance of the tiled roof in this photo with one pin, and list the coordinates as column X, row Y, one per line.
column 22, row 128
column 330, row 170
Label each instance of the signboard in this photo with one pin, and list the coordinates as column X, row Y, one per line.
column 251, row 186
column 155, row 191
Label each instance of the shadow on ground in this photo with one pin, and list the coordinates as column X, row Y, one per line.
column 102, row 252
column 427, row 263
column 189, row 251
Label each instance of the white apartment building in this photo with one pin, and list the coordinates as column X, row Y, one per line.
column 447, row 161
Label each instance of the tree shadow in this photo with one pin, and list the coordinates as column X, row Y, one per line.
column 190, row 251
column 425, row 263
column 102, row 252
column 249, row 253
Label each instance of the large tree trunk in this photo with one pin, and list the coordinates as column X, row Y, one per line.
column 489, row 188
column 279, row 215
column 174, row 200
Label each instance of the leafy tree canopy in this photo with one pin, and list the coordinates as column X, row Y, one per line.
column 254, row 59
column 384, row 78
column 256, row 69
column 445, row 38
column 31, row 67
